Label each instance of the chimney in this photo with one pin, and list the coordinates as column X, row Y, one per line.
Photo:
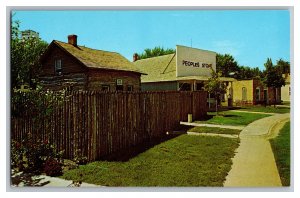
column 135, row 57
column 72, row 39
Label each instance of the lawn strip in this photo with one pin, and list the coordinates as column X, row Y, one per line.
column 215, row 130
column 232, row 118
column 281, row 149
column 182, row 161
column 267, row 109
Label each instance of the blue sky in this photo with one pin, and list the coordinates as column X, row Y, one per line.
column 251, row 36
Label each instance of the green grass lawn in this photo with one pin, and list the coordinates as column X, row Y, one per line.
column 183, row 161
column 281, row 150
column 267, row 109
column 286, row 103
column 232, row 118
column 215, row 130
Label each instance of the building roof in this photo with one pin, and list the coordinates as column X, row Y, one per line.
column 98, row 59
column 163, row 68
column 160, row 68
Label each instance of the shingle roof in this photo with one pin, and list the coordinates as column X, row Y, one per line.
column 98, row 58
column 163, row 68
column 160, row 68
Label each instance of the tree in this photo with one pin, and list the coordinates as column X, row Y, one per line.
column 216, row 86
column 156, row 51
column 230, row 68
column 283, row 66
column 245, row 72
column 273, row 77
column 226, row 64
column 25, row 54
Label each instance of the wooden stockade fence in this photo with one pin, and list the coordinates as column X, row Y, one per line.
column 98, row 124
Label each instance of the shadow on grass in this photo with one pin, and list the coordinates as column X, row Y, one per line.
column 228, row 116
column 206, row 117
column 128, row 153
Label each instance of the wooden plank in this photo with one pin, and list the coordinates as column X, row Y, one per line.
column 103, row 123
column 94, row 127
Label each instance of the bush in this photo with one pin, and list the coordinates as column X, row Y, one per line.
column 79, row 158
column 17, row 155
column 30, row 156
column 53, row 167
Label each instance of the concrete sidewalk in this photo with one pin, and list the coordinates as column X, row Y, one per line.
column 286, row 106
column 254, row 164
column 28, row 180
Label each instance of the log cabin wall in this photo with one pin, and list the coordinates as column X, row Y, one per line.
column 97, row 78
column 76, row 76
column 73, row 73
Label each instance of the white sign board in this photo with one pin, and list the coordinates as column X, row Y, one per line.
column 194, row 62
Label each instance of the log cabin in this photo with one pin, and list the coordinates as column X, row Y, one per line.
column 73, row 67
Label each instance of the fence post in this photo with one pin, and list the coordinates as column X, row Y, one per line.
column 94, row 132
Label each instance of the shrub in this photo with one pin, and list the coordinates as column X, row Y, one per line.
column 30, row 156
column 17, row 155
column 53, row 167
column 79, row 158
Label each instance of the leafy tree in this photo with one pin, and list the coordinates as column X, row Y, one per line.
column 245, row 72
column 226, row 64
column 273, row 77
column 156, row 51
column 230, row 68
column 25, row 54
column 283, row 66
column 216, row 86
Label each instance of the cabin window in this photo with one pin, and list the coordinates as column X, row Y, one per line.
column 129, row 88
column 119, row 85
column 119, row 82
column 58, row 68
column 105, row 88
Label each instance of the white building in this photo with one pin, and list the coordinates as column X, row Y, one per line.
column 26, row 34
